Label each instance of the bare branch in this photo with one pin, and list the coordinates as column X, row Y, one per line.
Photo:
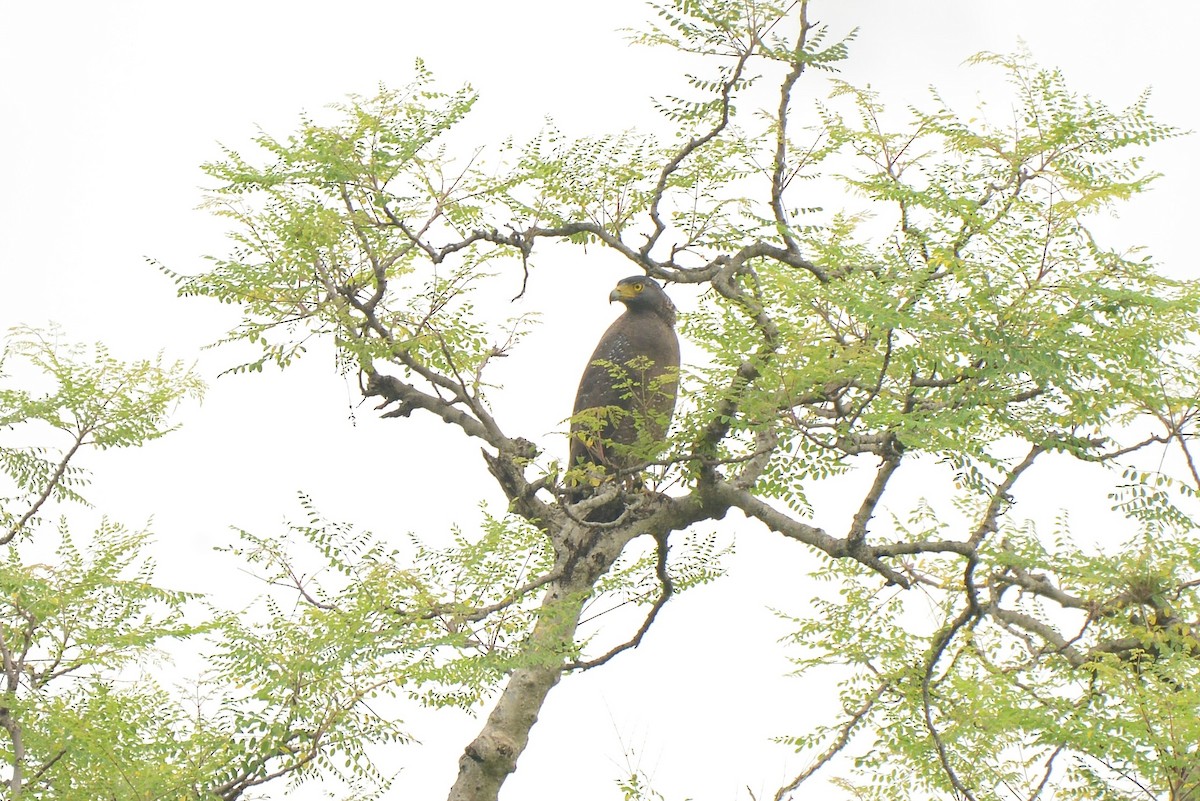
column 1046, row 632
column 1037, row 791
column 884, row 550
column 1000, row 497
column 692, row 145
column 1040, row 585
column 478, row 613
column 1187, row 455
column 1108, row 456
column 765, row 442
column 408, row 397
column 858, row 527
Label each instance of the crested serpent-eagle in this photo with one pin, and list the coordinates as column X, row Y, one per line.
column 627, row 394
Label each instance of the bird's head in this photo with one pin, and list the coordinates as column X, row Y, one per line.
column 639, row 292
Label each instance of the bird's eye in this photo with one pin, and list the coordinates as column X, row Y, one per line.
column 637, row 287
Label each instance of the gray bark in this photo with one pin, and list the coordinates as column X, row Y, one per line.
column 492, row 755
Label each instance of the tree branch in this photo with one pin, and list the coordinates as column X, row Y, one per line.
column 1000, row 496
column 844, row 732
column 940, row 643
column 778, row 183
column 408, row 397
column 779, row 522
column 667, row 590
column 51, row 484
column 692, row 145
column 858, row 527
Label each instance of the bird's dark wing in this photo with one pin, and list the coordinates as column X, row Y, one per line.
column 627, row 392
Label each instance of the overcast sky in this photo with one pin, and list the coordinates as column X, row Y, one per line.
column 109, row 108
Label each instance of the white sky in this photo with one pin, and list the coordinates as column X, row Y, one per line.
column 108, row 109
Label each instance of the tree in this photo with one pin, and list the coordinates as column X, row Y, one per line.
column 86, row 710
column 78, row 719
column 970, row 331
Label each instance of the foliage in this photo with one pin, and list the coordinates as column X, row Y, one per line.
column 80, row 714
column 321, row 234
column 88, row 400
column 1014, row 702
column 381, row 626
column 964, row 324
column 961, row 323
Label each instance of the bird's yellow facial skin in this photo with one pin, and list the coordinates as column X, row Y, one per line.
column 626, row 291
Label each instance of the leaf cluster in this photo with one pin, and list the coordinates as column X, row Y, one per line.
column 57, row 399
column 80, row 716
column 442, row 625
column 988, row 312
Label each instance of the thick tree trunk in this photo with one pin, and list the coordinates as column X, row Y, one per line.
column 492, row 755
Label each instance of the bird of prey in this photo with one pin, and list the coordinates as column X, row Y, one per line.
column 627, row 393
